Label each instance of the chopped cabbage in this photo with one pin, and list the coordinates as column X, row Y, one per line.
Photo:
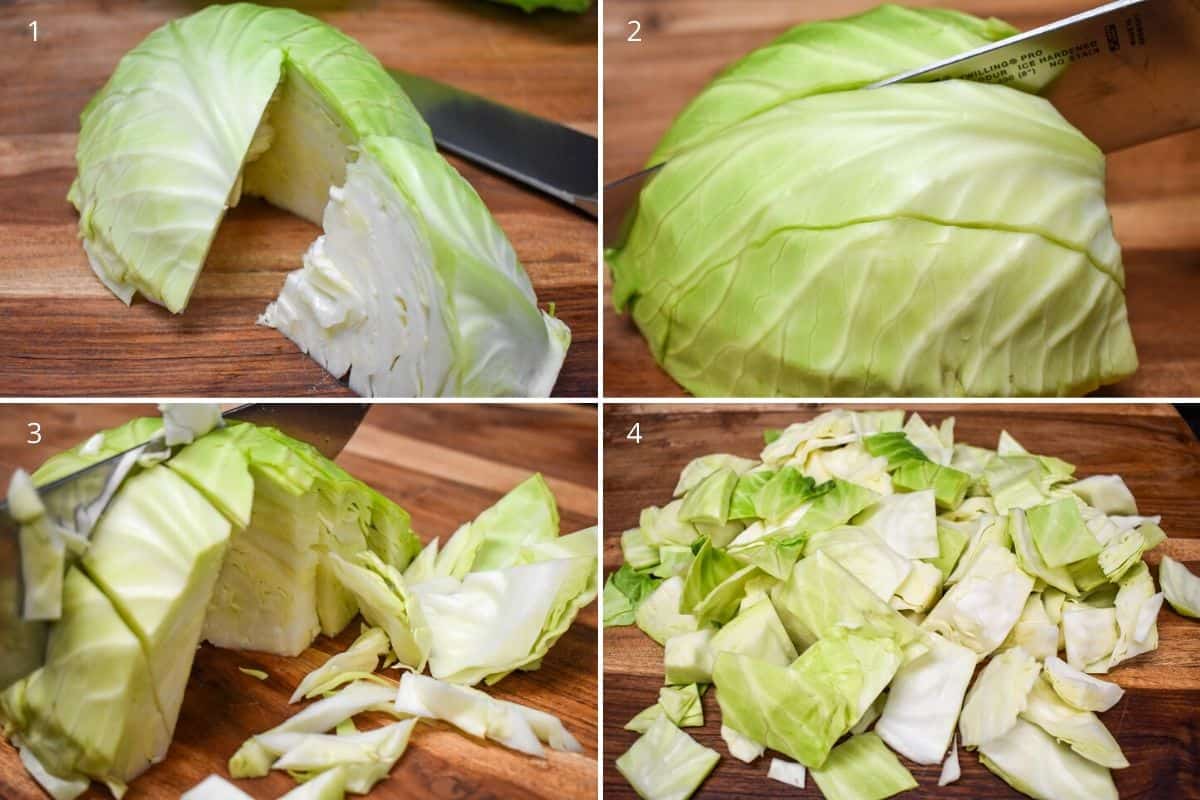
column 214, row 787
column 1080, row 689
column 362, row 656
column 788, row 772
column 665, row 763
column 924, row 701
column 1082, row 731
column 1181, row 587
column 741, row 747
column 998, row 696
column 1032, row 762
column 950, row 768
column 862, row 768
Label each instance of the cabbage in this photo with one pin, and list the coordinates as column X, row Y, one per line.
column 783, row 183
column 820, row 596
column 708, row 501
column 787, row 772
column 906, row 522
column 756, row 631
column 665, row 763
column 1090, row 634
column 1082, row 731
column 327, row 785
column 689, row 657
column 1107, row 493
column 802, row 710
column 1060, row 534
column 714, row 586
column 362, row 656
column 1080, row 689
column 659, row 616
column 998, row 696
column 256, row 755
column 624, row 591
column 214, row 787
column 1032, row 762
column 183, row 423
column 1035, row 632
column 742, row 747
column 1182, row 588
column 413, row 289
column 698, row 469
column 865, row 555
column 43, row 552
column 680, row 704
column 950, row 768
column 1137, row 606
column 1031, row 560
column 132, row 611
column 924, row 700
column 389, row 605
column 526, row 515
column 979, row 611
column 862, row 768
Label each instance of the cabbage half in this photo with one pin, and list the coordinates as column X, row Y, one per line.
column 414, row 289
column 811, row 238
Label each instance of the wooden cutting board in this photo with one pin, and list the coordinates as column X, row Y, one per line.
column 63, row 334
column 444, row 464
column 1153, row 189
column 1157, row 723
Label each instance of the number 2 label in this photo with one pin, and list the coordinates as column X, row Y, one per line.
column 636, row 34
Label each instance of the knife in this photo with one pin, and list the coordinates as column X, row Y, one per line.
column 551, row 158
column 1123, row 73
column 76, row 502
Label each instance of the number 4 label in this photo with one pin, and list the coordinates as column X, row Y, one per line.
column 635, row 433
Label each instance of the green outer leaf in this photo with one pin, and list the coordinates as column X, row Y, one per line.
column 741, row 505
column 895, row 446
column 757, row 632
column 624, row 591
column 952, row 541
column 948, row 484
column 786, row 491
column 666, row 763
column 862, row 768
column 1031, row 560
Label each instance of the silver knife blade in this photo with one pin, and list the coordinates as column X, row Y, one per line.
column 76, row 501
column 1123, row 73
column 551, row 158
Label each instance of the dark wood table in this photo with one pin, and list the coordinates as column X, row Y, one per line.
column 62, row 334
column 1157, row 723
column 1153, row 189
column 444, row 464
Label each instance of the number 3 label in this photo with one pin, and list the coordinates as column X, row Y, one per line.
column 35, row 433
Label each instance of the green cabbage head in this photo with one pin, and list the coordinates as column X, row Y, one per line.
column 810, row 237
column 413, row 289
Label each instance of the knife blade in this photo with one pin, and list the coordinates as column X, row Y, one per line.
column 1123, row 73
column 76, row 502
column 551, row 158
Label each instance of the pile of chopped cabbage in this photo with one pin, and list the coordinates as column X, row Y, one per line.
column 811, row 237
column 412, row 290
column 243, row 537
column 840, row 592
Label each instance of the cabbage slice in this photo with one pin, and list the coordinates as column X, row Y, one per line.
column 924, row 701
column 1181, row 587
column 788, row 772
column 1032, row 762
column 361, row 656
column 981, row 609
column 214, row 787
column 741, row 747
column 999, row 695
column 862, row 768
column 665, row 763
column 1082, row 731
column 1080, row 689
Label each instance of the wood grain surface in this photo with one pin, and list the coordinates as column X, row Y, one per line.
column 1157, row 723
column 62, row 334
column 1153, row 189
column 444, row 464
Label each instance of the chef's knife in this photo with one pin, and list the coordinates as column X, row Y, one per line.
column 76, row 502
column 552, row 158
column 1123, row 73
